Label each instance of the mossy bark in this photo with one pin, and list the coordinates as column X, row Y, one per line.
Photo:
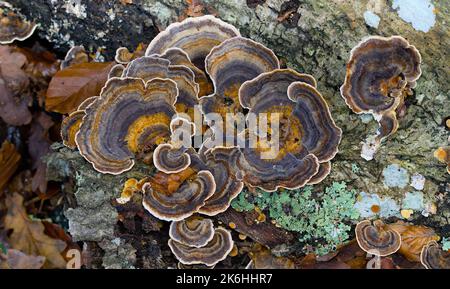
column 312, row 36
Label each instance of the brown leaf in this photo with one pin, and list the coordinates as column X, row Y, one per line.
column 9, row 161
column 413, row 239
column 39, row 146
column 13, row 81
column 70, row 86
column 15, row 259
column 12, row 63
column 28, row 235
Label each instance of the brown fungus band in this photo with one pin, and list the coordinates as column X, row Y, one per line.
column 219, row 160
column 213, row 252
column 173, row 157
column 377, row 239
column 174, row 197
column 380, row 74
column 193, row 231
column 128, row 119
column 177, row 56
column 14, row 27
column 307, row 135
column 434, row 257
column 196, row 36
column 149, row 67
column 229, row 65
column 71, row 123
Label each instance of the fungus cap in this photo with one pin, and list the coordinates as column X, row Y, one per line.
column 14, row 27
column 378, row 70
column 177, row 56
column 433, row 257
column 196, row 36
column 170, row 159
column 193, row 231
column 380, row 74
column 213, row 252
column 149, row 67
column 71, row 123
column 229, row 65
column 377, row 239
column 307, row 136
column 128, row 119
column 177, row 196
column 228, row 186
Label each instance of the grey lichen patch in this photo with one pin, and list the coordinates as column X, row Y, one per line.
column 119, row 254
column 93, row 218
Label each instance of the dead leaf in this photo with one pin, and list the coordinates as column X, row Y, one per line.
column 11, row 67
column 9, row 162
column 39, row 146
column 28, row 235
column 13, row 81
column 413, row 239
column 15, row 259
column 71, row 86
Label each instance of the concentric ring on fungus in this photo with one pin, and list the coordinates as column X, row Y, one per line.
column 196, row 36
column 434, row 257
column 193, row 231
column 174, row 197
column 149, row 67
column 381, row 73
column 129, row 118
column 13, row 27
column 173, row 157
column 228, row 186
column 229, row 65
column 308, row 136
column 377, row 239
column 213, row 252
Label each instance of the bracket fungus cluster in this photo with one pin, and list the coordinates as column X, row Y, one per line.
column 381, row 73
column 151, row 99
column 196, row 241
column 377, row 239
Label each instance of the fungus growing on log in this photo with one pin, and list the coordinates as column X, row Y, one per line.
column 434, row 257
column 14, row 27
column 174, row 197
column 377, row 239
column 176, row 56
column 229, row 65
column 308, row 136
column 213, row 252
column 149, row 67
column 196, row 36
column 380, row 74
column 218, row 160
column 128, row 119
column 173, row 157
column 193, row 232
column 70, row 125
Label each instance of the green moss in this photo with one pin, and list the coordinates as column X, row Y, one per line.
column 322, row 219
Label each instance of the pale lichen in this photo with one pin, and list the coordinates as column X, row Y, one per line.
column 395, row 176
column 322, row 219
